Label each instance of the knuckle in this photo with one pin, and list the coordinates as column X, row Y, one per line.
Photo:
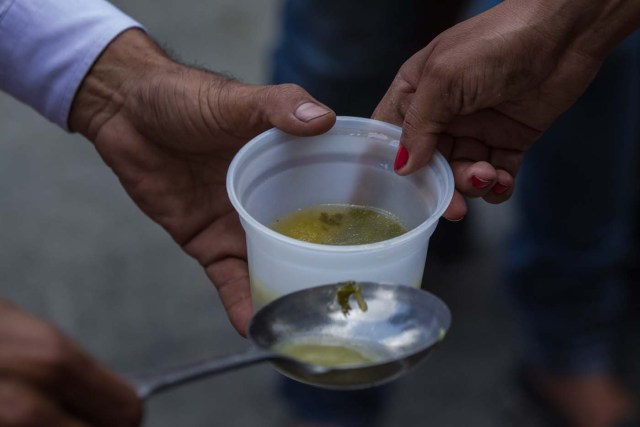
column 444, row 70
column 441, row 70
column 285, row 91
column 516, row 136
column 289, row 89
column 512, row 164
column 458, row 86
column 508, row 161
column 413, row 119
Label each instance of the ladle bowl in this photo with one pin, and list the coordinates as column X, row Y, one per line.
column 398, row 329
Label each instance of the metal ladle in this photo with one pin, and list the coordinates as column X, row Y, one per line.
column 400, row 326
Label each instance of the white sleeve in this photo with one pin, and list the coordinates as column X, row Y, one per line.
column 48, row 46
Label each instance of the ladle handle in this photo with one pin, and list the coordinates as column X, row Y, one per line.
column 152, row 383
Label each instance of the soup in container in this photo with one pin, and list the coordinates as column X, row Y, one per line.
column 276, row 174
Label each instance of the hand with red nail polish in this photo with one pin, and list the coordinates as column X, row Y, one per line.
column 484, row 90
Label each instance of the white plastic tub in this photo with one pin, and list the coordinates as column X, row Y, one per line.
column 276, row 174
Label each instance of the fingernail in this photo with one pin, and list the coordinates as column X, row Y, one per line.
column 457, row 219
column 310, row 111
column 499, row 188
column 401, row 158
column 479, row 183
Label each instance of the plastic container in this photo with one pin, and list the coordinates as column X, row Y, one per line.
column 276, row 173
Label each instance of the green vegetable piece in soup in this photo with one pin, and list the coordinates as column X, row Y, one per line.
column 344, row 293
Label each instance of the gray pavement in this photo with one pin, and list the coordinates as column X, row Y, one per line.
column 76, row 251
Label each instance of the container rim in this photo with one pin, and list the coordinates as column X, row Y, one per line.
column 438, row 162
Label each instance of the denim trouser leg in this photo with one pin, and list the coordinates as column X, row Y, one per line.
column 575, row 210
column 346, row 54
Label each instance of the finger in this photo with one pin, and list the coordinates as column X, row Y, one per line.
column 291, row 109
column 471, row 149
column 507, row 160
column 446, row 144
column 393, row 105
column 425, row 120
column 220, row 239
column 231, row 277
column 400, row 106
column 494, row 129
column 457, row 209
column 39, row 354
column 25, row 406
column 226, row 266
column 473, row 179
column 502, row 190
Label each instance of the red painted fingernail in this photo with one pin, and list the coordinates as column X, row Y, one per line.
column 479, row 183
column 401, row 158
column 499, row 188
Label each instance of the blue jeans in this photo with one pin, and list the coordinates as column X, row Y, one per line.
column 346, row 54
column 576, row 211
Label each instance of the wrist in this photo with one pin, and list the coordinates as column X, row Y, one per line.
column 128, row 59
column 592, row 28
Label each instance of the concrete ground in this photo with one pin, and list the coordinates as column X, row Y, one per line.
column 76, row 251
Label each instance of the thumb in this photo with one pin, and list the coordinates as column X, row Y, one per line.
column 291, row 109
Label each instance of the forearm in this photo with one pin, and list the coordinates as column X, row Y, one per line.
column 615, row 20
column 590, row 27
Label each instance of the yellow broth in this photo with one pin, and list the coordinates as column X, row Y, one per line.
column 327, row 355
column 338, row 224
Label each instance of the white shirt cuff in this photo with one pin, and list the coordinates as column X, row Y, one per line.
column 48, row 46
